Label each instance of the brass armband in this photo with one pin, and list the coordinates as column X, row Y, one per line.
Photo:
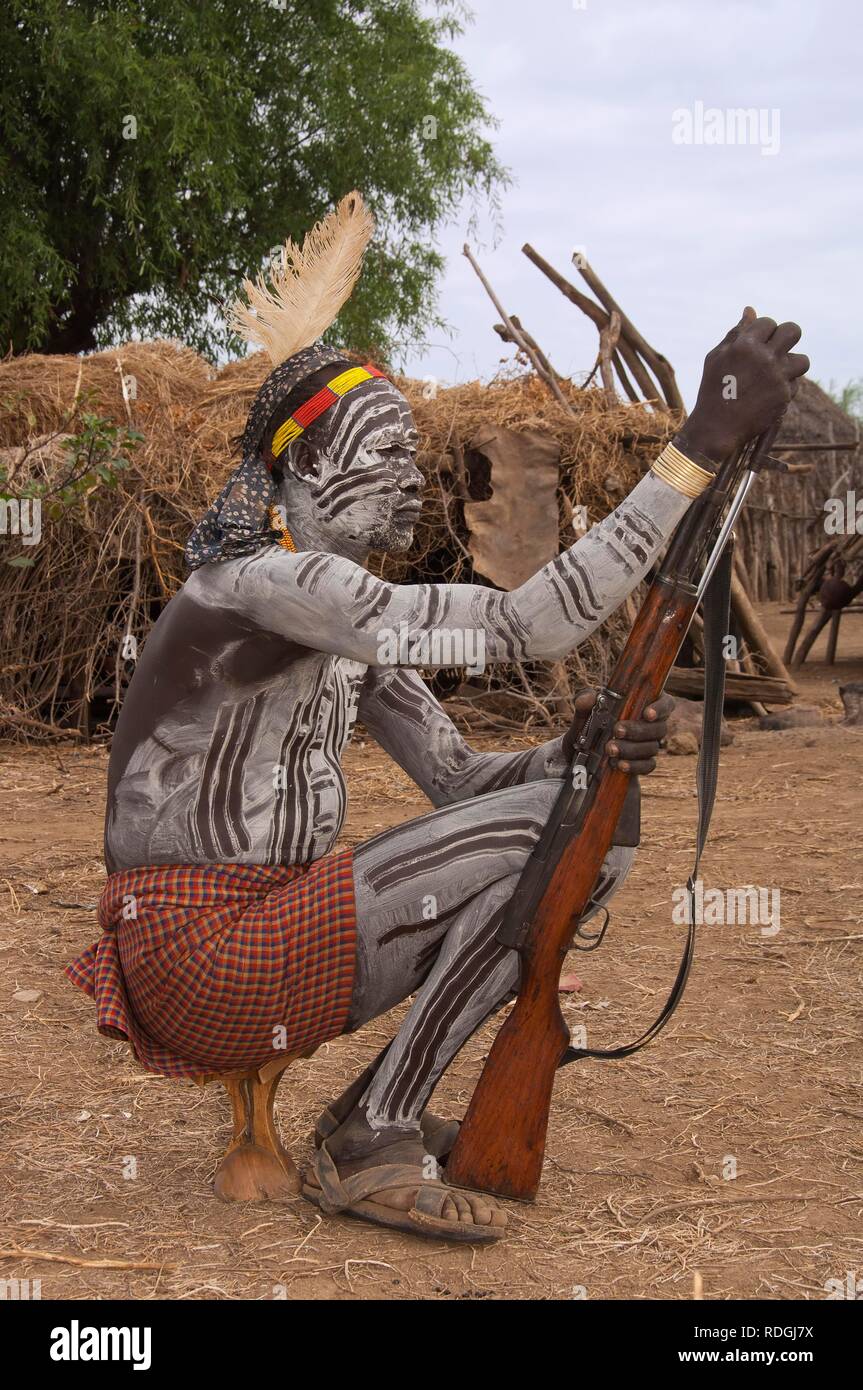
column 680, row 472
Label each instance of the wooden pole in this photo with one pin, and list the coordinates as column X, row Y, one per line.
column 503, row 333
column 624, row 379
column 800, row 616
column 833, row 636
column 808, row 642
column 608, row 339
column 755, row 633
column 646, row 385
column 661, row 367
column 519, row 338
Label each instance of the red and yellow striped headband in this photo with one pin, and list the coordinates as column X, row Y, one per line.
column 315, row 406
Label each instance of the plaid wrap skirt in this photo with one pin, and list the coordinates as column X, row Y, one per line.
column 222, row 967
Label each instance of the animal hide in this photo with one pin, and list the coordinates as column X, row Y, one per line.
column 515, row 531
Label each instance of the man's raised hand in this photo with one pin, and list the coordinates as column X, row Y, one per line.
column 747, row 381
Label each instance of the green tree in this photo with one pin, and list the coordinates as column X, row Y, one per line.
column 154, row 152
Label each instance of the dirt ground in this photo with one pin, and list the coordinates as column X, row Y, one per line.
column 759, row 1074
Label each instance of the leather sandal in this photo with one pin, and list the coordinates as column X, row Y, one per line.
column 353, row 1196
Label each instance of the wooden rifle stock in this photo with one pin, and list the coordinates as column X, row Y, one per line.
column 501, row 1144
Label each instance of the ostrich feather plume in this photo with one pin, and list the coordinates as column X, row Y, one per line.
column 291, row 307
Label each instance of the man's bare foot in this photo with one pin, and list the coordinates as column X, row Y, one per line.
column 387, row 1176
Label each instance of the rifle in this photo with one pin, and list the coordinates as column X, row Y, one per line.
column 501, row 1143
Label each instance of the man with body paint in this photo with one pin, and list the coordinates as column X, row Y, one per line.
column 228, row 917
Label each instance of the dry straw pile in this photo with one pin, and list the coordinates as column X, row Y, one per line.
column 109, row 564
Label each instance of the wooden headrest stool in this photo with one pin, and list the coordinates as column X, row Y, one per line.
column 256, row 1165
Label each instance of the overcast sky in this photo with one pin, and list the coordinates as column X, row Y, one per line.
column 683, row 234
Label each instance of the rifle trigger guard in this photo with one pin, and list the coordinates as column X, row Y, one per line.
column 593, row 937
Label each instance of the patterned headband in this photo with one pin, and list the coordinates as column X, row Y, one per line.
column 315, row 406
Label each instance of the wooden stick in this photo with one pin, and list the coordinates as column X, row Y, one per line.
column 624, row 379
column 799, row 618
column 746, row 666
column 810, row 581
column 608, row 339
column 22, row 1252
column 740, row 570
column 833, row 636
column 661, row 367
column 648, row 388
column 504, row 334
column 808, row 642
column 818, row 561
column 12, row 717
column 554, row 685
column 739, row 685
column 813, row 449
column 755, row 633
column 852, row 608
column 519, row 338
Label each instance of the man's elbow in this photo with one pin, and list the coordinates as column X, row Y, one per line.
column 551, row 647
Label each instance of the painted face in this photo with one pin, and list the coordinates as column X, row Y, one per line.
column 359, row 464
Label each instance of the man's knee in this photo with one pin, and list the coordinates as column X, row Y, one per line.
column 450, row 854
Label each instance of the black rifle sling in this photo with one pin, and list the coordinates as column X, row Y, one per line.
column 716, row 610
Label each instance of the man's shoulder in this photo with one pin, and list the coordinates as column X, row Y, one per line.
column 307, row 569
column 235, row 583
